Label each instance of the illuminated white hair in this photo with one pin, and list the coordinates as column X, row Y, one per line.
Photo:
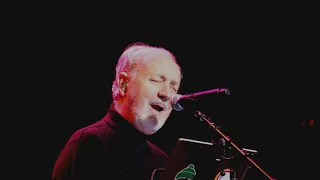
column 131, row 57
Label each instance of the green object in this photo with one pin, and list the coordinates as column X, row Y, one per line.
column 187, row 173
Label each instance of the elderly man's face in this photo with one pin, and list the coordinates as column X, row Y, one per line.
column 150, row 91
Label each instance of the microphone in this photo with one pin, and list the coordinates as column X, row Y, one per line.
column 178, row 100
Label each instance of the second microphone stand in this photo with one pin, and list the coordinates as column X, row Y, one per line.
column 243, row 152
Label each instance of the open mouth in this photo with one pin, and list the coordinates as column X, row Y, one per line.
column 157, row 107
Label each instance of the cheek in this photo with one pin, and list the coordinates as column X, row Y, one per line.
column 140, row 99
column 145, row 91
column 149, row 92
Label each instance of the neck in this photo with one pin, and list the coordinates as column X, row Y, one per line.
column 119, row 107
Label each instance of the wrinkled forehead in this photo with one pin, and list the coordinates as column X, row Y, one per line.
column 159, row 61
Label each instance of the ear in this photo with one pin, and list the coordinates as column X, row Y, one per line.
column 123, row 80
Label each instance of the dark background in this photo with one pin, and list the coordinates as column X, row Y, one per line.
column 268, row 63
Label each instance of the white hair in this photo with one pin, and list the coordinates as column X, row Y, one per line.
column 130, row 58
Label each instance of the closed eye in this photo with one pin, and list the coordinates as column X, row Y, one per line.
column 156, row 80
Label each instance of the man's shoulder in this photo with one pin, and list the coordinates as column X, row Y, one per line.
column 98, row 130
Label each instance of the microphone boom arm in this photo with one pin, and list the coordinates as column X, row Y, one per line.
column 191, row 95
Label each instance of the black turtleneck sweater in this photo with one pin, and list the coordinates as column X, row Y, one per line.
column 108, row 149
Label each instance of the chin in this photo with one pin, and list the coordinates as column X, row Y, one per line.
column 150, row 125
column 150, row 132
column 147, row 130
column 155, row 129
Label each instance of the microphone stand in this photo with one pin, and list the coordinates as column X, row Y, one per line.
column 244, row 153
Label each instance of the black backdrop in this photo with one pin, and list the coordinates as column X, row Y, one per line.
column 269, row 68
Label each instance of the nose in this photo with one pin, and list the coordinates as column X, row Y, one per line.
column 164, row 94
